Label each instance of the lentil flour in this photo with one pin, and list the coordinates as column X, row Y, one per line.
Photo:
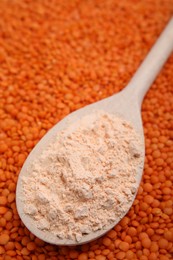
column 86, row 178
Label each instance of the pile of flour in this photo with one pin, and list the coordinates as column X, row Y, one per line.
column 85, row 179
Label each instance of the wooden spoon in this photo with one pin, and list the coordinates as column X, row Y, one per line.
column 126, row 104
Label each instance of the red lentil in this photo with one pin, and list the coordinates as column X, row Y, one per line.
column 4, row 238
column 83, row 256
column 124, row 246
column 82, row 52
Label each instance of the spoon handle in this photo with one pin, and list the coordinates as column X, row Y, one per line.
column 150, row 67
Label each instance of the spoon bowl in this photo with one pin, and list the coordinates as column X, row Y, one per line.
column 126, row 105
column 102, row 105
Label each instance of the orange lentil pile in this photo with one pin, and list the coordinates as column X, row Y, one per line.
column 57, row 56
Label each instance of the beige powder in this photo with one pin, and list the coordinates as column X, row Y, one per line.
column 86, row 177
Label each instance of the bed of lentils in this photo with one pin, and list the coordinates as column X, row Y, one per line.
column 58, row 56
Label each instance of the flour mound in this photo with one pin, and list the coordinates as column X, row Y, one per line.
column 85, row 179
